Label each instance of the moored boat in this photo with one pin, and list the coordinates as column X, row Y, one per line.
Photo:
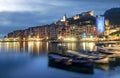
column 59, row 59
column 109, row 50
column 103, row 60
column 93, row 58
column 95, row 53
column 72, row 68
column 82, row 62
column 69, row 60
column 69, row 63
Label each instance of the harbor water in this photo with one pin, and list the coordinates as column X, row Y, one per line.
column 30, row 60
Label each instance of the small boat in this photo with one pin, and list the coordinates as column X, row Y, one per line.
column 94, row 53
column 82, row 62
column 69, row 60
column 69, row 63
column 72, row 68
column 109, row 50
column 59, row 59
column 98, row 59
column 93, row 58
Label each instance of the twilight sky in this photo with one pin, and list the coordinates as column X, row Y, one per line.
column 21, row 14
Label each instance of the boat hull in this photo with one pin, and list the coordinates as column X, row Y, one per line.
column 114, row 52
column 92, row 58
column 69, row 61
column 102, row 60
column 72, row 68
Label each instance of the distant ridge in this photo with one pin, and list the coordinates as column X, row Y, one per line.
column 113, row 15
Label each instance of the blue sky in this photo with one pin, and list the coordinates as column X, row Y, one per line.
column 21, row 14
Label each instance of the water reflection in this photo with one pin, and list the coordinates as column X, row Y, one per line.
column 40, row 50
column 38, row 47
column 84, row 46
column 35, row 48
column 9, row 46
column 88, row 46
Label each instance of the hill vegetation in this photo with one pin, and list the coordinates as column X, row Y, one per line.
column 113, row 15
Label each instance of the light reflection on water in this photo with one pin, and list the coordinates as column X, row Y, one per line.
column 29, row 60
column 37, row 47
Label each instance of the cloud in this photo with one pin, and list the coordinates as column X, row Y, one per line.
column 29, row 5
column 20, row 5
column 10, row 21
column 21, row 14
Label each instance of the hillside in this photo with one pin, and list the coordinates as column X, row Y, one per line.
column 113, row 15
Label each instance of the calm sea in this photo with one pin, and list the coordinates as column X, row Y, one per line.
column 30, row 60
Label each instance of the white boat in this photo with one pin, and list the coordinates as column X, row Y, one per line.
column 109, row 50
column 94, row 58
column 100, row 59
column 66, row 60
column 95, row 53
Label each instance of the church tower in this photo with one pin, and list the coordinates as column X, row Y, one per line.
column 64, row 18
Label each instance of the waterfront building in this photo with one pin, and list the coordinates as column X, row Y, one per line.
column 65, row 28
column 76, row 17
